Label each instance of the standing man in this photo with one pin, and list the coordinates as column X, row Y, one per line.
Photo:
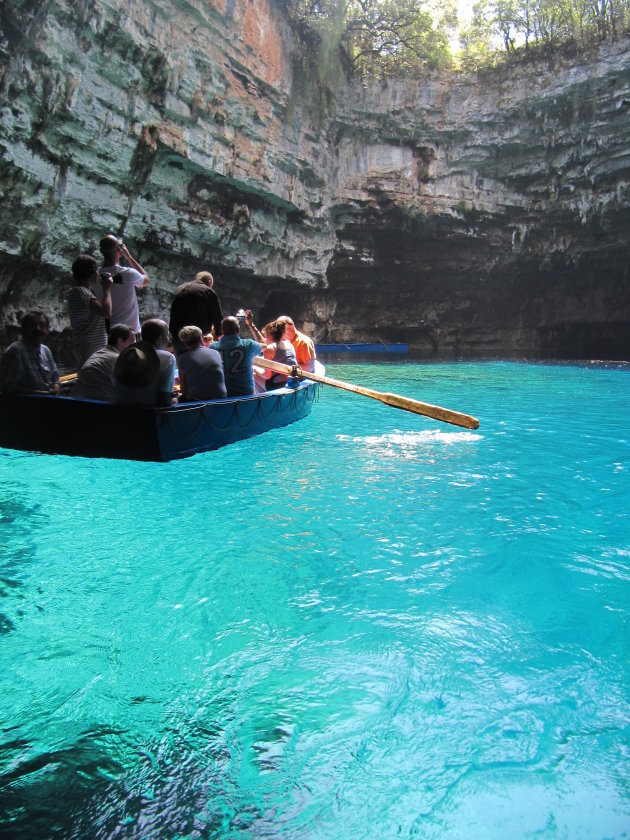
column 302, row 344
column 195, row 304
column 126, row 280
column 236, row 354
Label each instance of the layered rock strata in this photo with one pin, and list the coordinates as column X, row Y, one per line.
column 485, row 215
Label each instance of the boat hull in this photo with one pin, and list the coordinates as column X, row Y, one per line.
column 94, row 429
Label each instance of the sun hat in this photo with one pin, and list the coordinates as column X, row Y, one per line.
column 137, row 365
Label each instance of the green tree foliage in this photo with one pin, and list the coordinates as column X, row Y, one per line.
column 513, row 25
column 397, row 35
column 477, row 41
column 377, row 36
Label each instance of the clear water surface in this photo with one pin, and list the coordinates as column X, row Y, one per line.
column 366, row 625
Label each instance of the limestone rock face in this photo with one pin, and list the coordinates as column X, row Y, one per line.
column 485, row 215
column 492, row 212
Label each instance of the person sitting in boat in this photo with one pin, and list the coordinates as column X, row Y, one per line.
column 278, row 349
column 236, row 354
column 88, row 313
column 195, row 304
column 259, row 373
column 200, row 368
column 126, row 278
column 95, row 379
column 27, row 366
column 302, row 344
column 145, row 371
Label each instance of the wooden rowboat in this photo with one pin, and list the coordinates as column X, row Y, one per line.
column 95, row 429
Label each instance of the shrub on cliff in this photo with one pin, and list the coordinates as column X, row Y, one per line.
column 375, row 36
column 379, row 37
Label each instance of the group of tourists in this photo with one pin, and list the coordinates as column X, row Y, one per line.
column 122, row 362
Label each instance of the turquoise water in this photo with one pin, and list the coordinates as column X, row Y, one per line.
column 366, row 625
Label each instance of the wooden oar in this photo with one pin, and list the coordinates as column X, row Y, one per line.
column 396, row 401
column 69, row 377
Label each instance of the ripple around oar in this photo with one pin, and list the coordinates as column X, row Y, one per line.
column 357, row 626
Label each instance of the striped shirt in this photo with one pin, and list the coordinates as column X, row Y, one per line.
column 88, row 327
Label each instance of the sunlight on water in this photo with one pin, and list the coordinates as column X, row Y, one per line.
column 366, row 625
column 409, row 445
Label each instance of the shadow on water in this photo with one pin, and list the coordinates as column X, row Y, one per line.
column 57, row 793
column 107, row 784
column 19, row 521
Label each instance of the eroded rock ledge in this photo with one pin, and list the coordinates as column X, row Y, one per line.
column 485, row 215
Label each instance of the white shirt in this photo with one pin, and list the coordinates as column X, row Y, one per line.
column 124, row 300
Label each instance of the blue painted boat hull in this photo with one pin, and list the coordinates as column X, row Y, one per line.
column 94, row 429
column 361, row 348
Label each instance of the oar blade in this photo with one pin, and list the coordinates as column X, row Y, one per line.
column 445, row 415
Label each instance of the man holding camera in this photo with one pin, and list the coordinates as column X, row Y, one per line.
column 126, row 279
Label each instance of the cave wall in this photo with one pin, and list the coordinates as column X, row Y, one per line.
column 481, row 215
column 488, row 215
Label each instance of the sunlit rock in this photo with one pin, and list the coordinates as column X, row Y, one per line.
column 464, row 215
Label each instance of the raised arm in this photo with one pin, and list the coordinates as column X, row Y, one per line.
column 104, row 307
column 256, row 333
column 135, row 264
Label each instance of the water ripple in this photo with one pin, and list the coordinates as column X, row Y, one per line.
column 360, row 626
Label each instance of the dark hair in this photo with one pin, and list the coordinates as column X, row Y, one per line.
column 83, row 267
column 119, row 331
column 154, row 330
column 275, row 329
column 32, row 318
column 230, row 326
column 109, row 245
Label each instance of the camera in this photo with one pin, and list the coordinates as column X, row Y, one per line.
column 240, row 314
column 116, row 278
